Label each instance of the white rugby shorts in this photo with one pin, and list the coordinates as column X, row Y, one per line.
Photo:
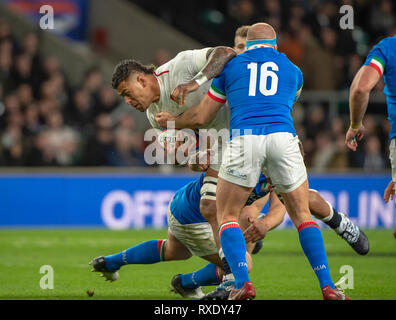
column 276, row 154
column 197, row 237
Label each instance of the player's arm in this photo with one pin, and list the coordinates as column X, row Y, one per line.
column 216, row 59
column 364, row 81
column 194, row 117
column 300, row 84
column 389, row 192
column 259, row 228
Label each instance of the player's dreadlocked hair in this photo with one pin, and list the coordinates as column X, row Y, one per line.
column 125, row 68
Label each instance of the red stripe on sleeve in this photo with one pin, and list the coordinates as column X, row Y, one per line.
column 376, row 68
column 216, row 98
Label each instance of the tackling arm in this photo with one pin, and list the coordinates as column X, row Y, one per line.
column 194, row 117
column 276, row 213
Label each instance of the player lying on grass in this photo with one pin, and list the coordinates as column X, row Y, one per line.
column 190, row 234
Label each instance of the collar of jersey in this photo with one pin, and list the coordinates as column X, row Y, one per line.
column 255, row 46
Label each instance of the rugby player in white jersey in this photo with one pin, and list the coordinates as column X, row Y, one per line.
column 150, row 90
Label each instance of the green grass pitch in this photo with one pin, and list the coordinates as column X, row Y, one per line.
column 280, row 270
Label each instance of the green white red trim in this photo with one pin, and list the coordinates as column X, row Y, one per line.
column 299, row 90
column 217, row 95
column 378, row 65
column 161, row 248
column 228, row 224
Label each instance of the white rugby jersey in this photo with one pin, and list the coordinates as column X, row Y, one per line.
column 181, row 69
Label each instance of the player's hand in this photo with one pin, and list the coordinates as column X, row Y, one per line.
column 353, row 136
column 201, row 161
column 163, row 117
column 389, row 192
column 394, row 233
column 179, row 94
column 256, row 231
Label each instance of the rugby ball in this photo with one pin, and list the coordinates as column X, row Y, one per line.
column 167, row 138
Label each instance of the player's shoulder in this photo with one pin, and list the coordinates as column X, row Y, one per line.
column 190, row 53
column 291, row 66
column 387, row 43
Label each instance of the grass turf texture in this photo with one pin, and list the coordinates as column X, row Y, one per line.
column 280, row 270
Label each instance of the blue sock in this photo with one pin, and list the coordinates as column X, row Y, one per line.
column 207, row 276
column 312, row 244
column 145, row 253
column 234, row 248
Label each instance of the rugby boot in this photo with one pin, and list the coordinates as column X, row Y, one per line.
column 247, row 292
column 352, row 234
column 221, row 292
column 185, row 292
column 98, row 265
column 333, row 294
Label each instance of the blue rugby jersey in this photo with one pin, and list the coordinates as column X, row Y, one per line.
column 260, row 86
column 382, row 57
column 185, row 203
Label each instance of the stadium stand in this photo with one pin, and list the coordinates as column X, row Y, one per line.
column 45, row 120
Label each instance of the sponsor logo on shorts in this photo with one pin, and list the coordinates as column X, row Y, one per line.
column 236, row 173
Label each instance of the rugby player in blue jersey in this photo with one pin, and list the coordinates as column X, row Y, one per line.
column 261, row 85
column 380, row 62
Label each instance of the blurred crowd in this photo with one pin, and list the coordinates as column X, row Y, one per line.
column 44, row 121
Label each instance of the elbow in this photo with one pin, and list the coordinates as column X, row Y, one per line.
column 200, row 121
column 361, row 89
column 231, row 53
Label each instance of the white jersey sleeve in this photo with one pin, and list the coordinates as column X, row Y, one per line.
column 188, row 63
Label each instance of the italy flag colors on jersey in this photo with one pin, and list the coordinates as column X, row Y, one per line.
column 378, row 64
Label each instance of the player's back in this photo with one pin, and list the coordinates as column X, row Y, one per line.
column 185, row 204
column 261, row 86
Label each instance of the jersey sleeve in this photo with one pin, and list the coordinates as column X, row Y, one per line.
column 217, row 88
column 197, row 60
column 377, row 58
column 300, row 84
column 189, row 62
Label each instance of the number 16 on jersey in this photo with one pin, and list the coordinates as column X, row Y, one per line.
column 266, row 71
